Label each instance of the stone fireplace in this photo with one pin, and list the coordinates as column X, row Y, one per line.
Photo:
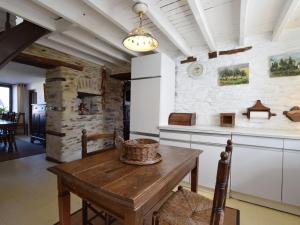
column 64, row 122
column 62, row 88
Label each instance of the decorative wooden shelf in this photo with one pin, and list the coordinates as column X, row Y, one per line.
column 293, row 114
column 84, row 94
column 259, row 107
column 227, row 119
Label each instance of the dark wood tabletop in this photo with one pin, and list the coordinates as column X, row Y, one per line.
column 126, row 191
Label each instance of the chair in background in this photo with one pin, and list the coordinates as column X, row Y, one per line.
column 189, row 208
column 11, row 137
column 86, row 206
column 21, row 125
column 3, row 136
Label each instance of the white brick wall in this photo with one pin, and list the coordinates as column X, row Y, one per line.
column 207, row 99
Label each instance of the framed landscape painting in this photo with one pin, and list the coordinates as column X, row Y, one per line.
column 287, row 64
column 233, row 75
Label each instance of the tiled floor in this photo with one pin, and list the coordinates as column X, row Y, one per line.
column 28, row 196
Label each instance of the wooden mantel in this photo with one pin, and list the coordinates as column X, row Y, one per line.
column 44, row 62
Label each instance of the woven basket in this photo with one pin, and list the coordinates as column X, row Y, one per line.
column 140, row 149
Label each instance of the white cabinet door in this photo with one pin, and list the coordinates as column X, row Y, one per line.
column 257, row 171
column 208, row 163
column 291, row 177
column 178, row 144
column 144, row 106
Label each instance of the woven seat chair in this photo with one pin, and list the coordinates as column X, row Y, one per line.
column 188, row 208
column 86, row 206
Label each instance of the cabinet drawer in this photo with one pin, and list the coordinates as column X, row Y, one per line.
column 257, row 141
column 175, row 143
column 292, row 144
column 210, row 138
column 175, row 136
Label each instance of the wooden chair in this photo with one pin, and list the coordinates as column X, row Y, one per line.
column 189, row 208
column 86, row 206
column 20, row 118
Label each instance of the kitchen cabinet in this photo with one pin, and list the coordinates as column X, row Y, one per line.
column 208, row 163
column 291, row 172
column 178, row 140
column 257, row 171
column 212, row 145
column 265, row 167
column 38, row 124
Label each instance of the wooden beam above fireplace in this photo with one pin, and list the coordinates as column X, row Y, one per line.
column 44, row 62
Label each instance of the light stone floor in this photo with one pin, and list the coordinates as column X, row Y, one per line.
column 28, row 196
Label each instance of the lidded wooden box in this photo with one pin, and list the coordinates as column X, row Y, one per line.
column 184, row 119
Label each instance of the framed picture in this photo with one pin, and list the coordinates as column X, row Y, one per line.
column 283, row 65
column 234, row 75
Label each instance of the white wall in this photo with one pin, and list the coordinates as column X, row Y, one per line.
column 205, row 97
column 34, row 78
column 39, row 88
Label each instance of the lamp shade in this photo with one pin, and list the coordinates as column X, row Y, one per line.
column 140, row 40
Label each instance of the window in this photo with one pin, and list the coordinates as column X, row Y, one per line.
column 5, row 97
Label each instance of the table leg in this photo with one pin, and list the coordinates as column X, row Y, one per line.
column 194, row 177
column 133, row 218
column 63, row 204
column 10, row 140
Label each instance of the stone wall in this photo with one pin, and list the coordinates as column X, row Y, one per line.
column 205, row 97
column 63, row 118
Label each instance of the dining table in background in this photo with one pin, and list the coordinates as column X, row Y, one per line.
column 130, row 193
column 9, row 126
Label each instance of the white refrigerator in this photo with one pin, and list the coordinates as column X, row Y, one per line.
column 152, row 94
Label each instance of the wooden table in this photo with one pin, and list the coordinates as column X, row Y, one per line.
column 128, row 192
column 7, row 125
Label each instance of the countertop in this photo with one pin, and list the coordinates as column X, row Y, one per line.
column 292, row 134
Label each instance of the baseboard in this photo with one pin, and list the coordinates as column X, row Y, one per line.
column 50, row 159
column 266, row 203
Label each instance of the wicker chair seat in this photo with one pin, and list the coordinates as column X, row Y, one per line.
column 186, row 208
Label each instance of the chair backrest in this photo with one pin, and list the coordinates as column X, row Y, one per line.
column 20, row 118
column 224, row 165
column 98, row 136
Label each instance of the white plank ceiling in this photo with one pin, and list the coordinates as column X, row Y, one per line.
column 94, row 29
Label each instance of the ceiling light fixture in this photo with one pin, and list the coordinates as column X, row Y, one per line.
column 140, row 39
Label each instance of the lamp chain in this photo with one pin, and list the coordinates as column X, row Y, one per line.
column 141, row 18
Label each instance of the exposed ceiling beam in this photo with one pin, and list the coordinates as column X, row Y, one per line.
column 64, row 40
column 114, row 11
column 84, row 37
column 243, row 21
column 59, row 47
column 31, row 12
column 155, row 14
column 285, row 16
column 200, row 17
column 118, row 12
column 63, row 25
column 79, row 13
